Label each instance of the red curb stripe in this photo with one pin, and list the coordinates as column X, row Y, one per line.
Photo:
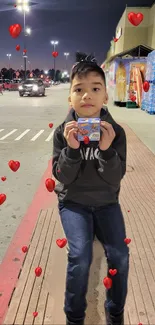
column 9, row 269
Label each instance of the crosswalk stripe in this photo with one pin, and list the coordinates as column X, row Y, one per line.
column 8, row 134
column 37, row 135
column 1, row 130
column 50, row 136
column 22, row 135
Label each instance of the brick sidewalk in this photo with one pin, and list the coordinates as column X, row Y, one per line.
column 46, row 293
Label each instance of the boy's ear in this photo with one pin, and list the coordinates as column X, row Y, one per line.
column 69, row 101
column 106, row 98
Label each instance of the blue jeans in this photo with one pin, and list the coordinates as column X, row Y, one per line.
column 80, row 225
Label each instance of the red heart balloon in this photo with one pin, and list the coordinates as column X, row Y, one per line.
column 50, row 125
column 15, row 30
column 3, row 178
column 146, row 86
column 107, row 282
column 35, row 313
column 127, row 241
column 86, row 140
column 17, row 47
column 14, row 165
column 50, row 184
column 61, row 242
column 38, row 271
column 112, row 272
column 135, row 19
column 55, row 54
column 2, row 198
column 24, row 51
column 24, row 249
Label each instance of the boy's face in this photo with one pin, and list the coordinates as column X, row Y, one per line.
column 88, row 94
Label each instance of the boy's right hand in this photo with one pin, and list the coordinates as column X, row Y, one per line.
column 70, row 134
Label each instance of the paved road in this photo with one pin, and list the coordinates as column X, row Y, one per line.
column 25, row 136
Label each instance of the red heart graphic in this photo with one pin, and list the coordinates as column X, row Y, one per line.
column 135, row 19
column 2, row 198
column 127, row 241
column 17, row 47
column 61, row 242
column 112, row 272
column 86, row 140
column 146, row 86
column 35, row 313
column 128, row 210
column 50, row 184
column 133, row 98
column 15, row 30
column 24, row 249
column 58, row 171
column 107, row 282
column 115, row 39
column 38, row 271
column 50, row 125
column 14, row 165
column 3, row 178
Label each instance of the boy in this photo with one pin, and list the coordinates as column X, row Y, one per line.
column 89, row 184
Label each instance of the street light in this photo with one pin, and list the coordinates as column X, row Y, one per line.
column 23, row 6
column 46, row 71
column 54, row 43
column 66, row 54
column 9, row 57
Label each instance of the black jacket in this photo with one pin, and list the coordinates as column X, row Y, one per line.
column 88, row 175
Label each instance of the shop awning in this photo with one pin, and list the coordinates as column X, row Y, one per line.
column 138, row 51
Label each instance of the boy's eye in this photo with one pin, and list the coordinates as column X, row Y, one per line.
column 96, row 89
column 78, row 90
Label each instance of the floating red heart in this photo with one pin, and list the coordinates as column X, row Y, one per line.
column 55, row 54
column 15, row 5
column 3, row 178
column 50, row 125
column 50, row 184
column 24, row 249
column 38, row 271
column 112, row 272
column 2, row 198
column 86, row 140
column 115, row 39
column 133, row 98
column 127, row 241
column 107, row 282
column 135, row 19
column 14, row 165
column 35, row 313
column 18, row 47
column 61, row 242
column 15, row 30
column 128, row 210
column 146, row 86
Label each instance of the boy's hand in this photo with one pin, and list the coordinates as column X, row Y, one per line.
column 70, row 134
column 107, row 137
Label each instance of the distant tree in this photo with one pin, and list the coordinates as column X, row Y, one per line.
column 37, row 72
column 58, row 75
column 51, row 73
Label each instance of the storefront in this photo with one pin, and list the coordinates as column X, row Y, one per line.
column 125, row 75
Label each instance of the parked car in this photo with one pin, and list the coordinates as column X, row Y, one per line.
column 32, row 87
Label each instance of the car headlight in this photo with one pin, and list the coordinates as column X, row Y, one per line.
column 20, row 87
column 35, row 87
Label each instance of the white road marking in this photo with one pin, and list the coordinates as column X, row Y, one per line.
column 22, row 135
column 50, row 136
column 1, row 130
column 8, row 134
column 37, row 135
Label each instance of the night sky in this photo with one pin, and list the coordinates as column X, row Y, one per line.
column 84, row 25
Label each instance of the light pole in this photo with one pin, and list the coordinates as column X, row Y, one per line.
column 9, row 57
column 66, row 54
column 54, row 43
column 23, row 6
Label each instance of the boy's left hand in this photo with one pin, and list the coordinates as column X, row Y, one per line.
column 107, row 136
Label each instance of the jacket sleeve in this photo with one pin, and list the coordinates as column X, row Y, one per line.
column 66, row 161
column 112, row 162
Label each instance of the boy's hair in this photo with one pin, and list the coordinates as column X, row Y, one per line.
column 84, row 65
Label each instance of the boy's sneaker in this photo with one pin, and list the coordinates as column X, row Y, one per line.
column 113, row 320
column 71, row 323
